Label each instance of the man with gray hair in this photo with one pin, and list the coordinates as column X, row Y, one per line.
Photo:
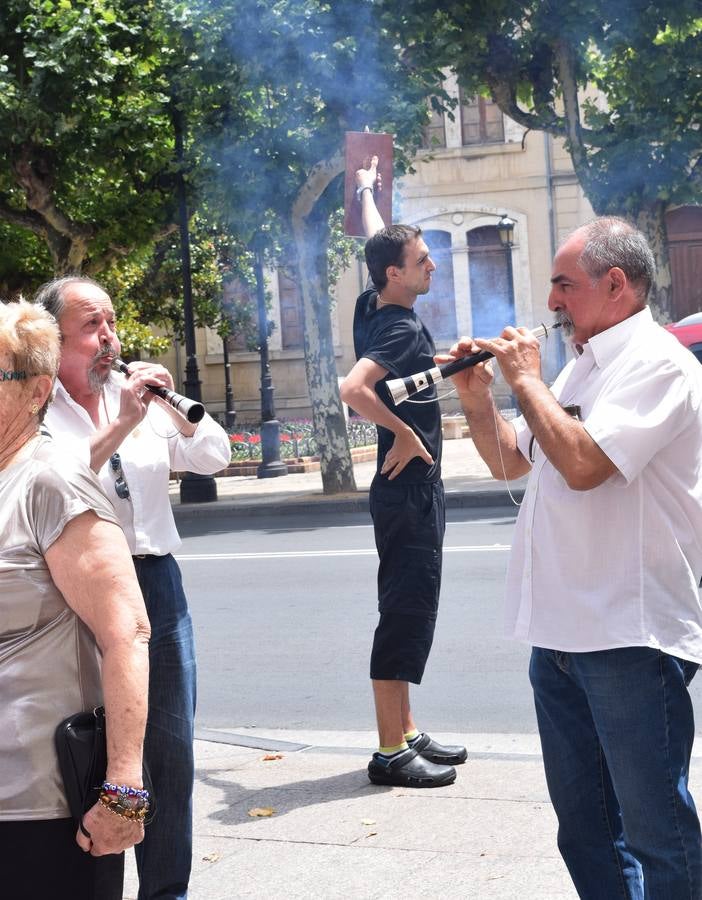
column 132, row 440
column 605, row 563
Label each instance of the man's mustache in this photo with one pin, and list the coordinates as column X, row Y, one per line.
column 564, row 320
column 107, row 351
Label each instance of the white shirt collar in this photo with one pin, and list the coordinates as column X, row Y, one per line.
column 607, row 345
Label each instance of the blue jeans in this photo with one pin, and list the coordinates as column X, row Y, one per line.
column 165, row 855
column 616, row 732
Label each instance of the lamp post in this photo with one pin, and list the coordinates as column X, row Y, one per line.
column 229, row 411
column 271, row 464
column 505, row 231
column 193, row 488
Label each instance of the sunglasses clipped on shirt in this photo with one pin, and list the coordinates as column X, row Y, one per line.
column 572, row 410
column 121, row 486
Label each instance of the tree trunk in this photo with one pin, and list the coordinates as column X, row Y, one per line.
column 67, row 240
column 651, row 221
column 311, row 230
column 68, row 254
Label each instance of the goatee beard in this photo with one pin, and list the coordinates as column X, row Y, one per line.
column 97, row 378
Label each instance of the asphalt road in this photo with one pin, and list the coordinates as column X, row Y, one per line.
column 284, row 612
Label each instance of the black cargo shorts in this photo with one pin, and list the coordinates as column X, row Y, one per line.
column 409, row 521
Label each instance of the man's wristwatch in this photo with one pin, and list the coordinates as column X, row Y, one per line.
column 360, row 190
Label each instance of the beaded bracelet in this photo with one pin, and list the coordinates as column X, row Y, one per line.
column 133, row 808
column 124, row 789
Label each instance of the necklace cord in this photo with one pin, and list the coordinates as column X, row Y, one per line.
column 432, row 399
column 502, row 462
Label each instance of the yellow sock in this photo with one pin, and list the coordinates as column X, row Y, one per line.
column 390, row 751
column 411, row 735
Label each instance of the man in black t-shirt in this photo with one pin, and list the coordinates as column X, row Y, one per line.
column 406, row 496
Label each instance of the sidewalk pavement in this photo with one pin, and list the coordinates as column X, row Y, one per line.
column 466, row 478
column 331, row 834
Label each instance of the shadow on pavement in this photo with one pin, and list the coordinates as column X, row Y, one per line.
column 283, row 798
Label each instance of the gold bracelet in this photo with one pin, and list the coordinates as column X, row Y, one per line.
column 132, row 808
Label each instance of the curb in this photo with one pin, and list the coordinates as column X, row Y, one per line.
column 273, row 505
column 489, row 499
column 277, row 505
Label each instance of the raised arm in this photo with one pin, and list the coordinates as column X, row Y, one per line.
column 134, row 401
column 367, row 181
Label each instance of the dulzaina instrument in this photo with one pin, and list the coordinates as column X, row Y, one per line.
column 192, row 410
column 402, row 388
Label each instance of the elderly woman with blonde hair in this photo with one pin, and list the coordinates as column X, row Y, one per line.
column 73, row 635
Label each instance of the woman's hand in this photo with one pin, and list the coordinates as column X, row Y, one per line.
column 109, row 833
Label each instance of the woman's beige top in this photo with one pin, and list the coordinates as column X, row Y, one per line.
column 49, row 665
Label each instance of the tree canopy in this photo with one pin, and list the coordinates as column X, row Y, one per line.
column 620, row 82
column 309, row 70
column 88, row 96
column 84, row 134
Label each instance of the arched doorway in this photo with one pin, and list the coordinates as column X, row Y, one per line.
column 491, row 285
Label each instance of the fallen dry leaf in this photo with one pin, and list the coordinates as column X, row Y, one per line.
column 367, row 821
column 211, row 857
column 371, row 834
column 261, row 812
column 270, row 756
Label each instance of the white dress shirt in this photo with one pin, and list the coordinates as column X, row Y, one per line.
column 618, row 565
column 148, row 455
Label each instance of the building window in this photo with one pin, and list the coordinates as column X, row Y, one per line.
column 291, row 313
column 434, row 134
column 491, row 285
column 481, row 121
column 437, row 309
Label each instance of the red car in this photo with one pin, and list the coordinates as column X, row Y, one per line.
column 689, row 332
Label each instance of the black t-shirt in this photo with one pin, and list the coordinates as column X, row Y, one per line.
column 396, row 339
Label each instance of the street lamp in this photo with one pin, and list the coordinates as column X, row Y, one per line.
column 505, row 230
column 271, row 464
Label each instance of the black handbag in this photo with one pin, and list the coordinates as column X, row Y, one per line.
column 81, row 747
